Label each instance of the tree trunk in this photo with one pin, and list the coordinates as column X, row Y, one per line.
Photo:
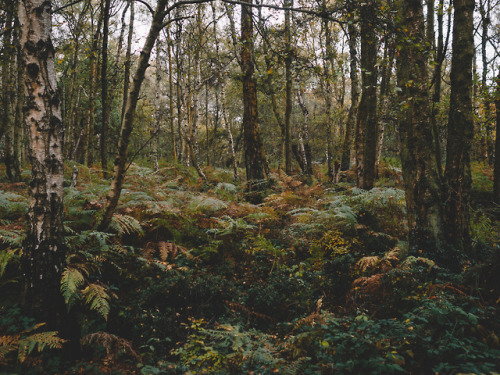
column 7, row 125
column 367, row 123
column 351, row 117
column 44, row 250
column 171, row 97
column 106, row 107
column 288, row 90
column 418, row 160
column 128, row 55
column 254, row 150
column 460, row 128
column 328, row 63
column 496, row 180
column 128, row 119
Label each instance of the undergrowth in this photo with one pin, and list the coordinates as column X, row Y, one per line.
column 192, row 279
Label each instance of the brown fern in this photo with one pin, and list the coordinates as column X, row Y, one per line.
column 235, row 306
column 112, row 344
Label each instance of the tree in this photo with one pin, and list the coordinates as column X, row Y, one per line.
column 496, row 181
column 460, row 128
column 127, row 123
column 352, row 34
column 367, row 125
column 44, row 249
column 254, row 150
column 418, row 160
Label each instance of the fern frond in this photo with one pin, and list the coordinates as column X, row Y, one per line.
column 98, row 298
column 38, row 341
column 71, row 281
column 114, row 345
column 12, row 237
column 206, row 204
column 124, row 224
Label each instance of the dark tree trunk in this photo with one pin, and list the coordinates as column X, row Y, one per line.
column 44, row 250
column 460, row 128
column 496, row 181
column 288, row 90
column 367, row 124
column 418, row 160
column 7, row 125
column 351, row 117
column 254, row 150
column 106, row 107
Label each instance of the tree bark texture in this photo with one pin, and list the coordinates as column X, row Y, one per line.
column 460, row 128
column 367, row 124
column 254, row 150
column 418, row 160
column 496, row 180
column 43, row 256
column 351, row 117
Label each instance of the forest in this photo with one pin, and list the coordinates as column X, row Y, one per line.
column 249, row 187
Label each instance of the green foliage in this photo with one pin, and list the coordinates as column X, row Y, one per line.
column 12, row 205
column 26, row 342
column 124, row 224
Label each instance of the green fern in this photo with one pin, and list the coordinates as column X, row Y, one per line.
column 25, row 345
column 97, row 297
column 38, row 341
column 207, row 205
column 12, row 237
column 12, row 205
column 124, row 224
column 71, row 282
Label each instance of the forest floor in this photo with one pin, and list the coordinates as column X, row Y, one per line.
column 193, row 279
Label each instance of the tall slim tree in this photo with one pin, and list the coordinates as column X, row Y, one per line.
column 418, row 160
column 254, row 150
column 367, row 125
column 460, row 127
column 496, row 180
column 352, row 32
column 43, row 256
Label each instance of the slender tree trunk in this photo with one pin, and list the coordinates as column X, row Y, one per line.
column 127, row 125
column 367, row 123
column 460, row 127
column 254, row 150
column 106, row 108
column 18, row 117
column 328, row 62
column 128, row 56
column 418, row 160
column 171, row 97
column 496, row 180
column 88, row 155
column 7, row 126
column 351, row 117
column 44, row 250
column 436, row 95
column 155, row 133
column 288, row 90
column 305, row 147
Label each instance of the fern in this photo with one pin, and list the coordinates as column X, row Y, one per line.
column 25, row 345
column 225, row 186
column 12, row 237
column 98, row 298
column 124, row 224
column 207, row 205
column 38, row 341
column 71, row 281
column 12, row 205
column 230, row 226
